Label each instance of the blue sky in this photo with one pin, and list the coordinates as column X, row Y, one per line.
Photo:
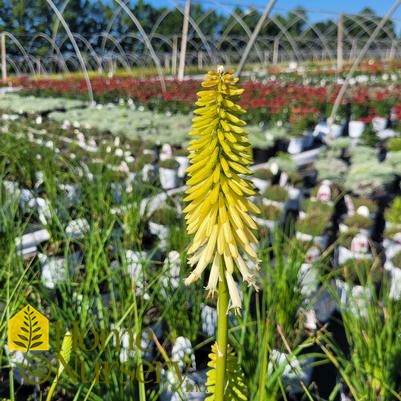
column 318, row 9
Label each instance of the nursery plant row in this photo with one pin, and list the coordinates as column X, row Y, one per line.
column 267, row 100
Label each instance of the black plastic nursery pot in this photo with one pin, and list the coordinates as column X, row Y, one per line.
column 262, row 155
column 309, row 177
column 281, row 145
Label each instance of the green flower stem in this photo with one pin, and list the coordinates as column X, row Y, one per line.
column 222, row 334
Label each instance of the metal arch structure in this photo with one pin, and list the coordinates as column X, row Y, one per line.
column 315, row 30
column 204, row 16
column 73, row 60
column 115, row 42
column 51, row 58
column 13, row 65
column 87, row 45
column 134, row 36
column 232, row 41
column 200, row 34
column 116, row 12
column 75, row 46
column 39, row 65
column 284, row 31
column 21, row 49
column 148, row 44
column 96, row 51
column 356, row 24
column 354, row 40
column 244, row 26
column 359, row 58
column 159, row 21
column 123, row 60
column 163, row 38
column 57, row 25
column 55, row 48
column 191, row 21
column 375, row 24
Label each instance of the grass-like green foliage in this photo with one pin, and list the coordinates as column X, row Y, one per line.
column 361, row 271
column 370, row 370
column 180, row 152
column 358, row 221
column 166, row 216
column 330, row 168
column 369, row 137
column 345, row 238
column 394, row 144
column 276, row 193
column 366, row 173
column 276, row 308
column 296, row 179
column 313, row 223
column 393, row 213
column 323, row 207
column 142, row 160
column 263, row 174
column 390, row 232
column 263, row 233
column 363, row 201
column 171, row 164
column 393, row 159
column 270, row 212
column 95, row 294
column 340, row 143
column 317, row 217
column 284, row 162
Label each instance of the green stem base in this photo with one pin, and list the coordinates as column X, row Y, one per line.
column 222, row 335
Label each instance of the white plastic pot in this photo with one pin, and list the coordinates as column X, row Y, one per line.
column 295, row 146
column 166, row 152
column 168, row 178
column 56, row 270
column 32, row 239
column 386, row 133
column 148, row 172
column 161, row 231
column 356, row 129
column 345, row 254
column 320, row 240
column 379, row 123
column 395, row 288
column 260, row 184
column 184, row 163
column 76, row 229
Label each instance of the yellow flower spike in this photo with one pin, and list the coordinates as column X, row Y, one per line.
column 218, row 211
